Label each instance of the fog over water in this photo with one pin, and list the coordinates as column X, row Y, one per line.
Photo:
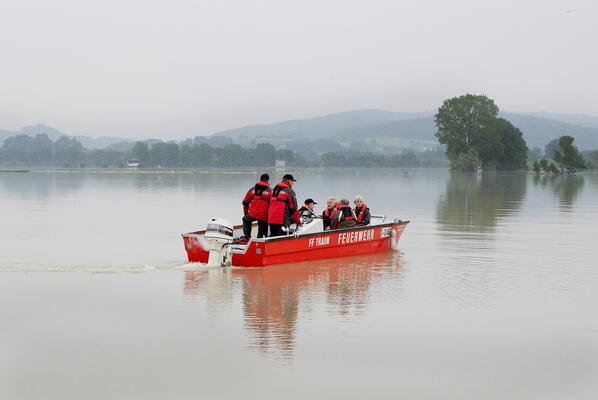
column 175, row 69
column 492, row 295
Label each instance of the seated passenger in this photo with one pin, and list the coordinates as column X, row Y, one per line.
column 328, row 213
column 306, row 212
column 361, row 211
column 344, row 216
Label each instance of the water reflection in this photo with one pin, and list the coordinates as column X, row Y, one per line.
column 474, row 203
column 566, row 187
column 40, row 186
column 273, row 298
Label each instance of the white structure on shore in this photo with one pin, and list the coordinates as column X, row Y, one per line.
column 133, row 163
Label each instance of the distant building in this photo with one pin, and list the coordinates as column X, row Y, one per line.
column 280, row 164
column 133, row 163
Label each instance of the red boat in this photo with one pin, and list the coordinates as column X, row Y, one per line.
column 215, row 246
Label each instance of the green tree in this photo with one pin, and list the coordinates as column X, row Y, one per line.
column 264, row 155
column 165, row 154
column 333, row 160
column 467, row 162
column 551, row 148
column 16, row 150
column 467, row 126
column 513, row 153
column 534, row 154
column 544, row 164
column 141, row 152
column 567, row 156
column 473, row 135
column 232, row 155
column 408, row 158
column 591, row 159
column 68, row 151
column 172, row 153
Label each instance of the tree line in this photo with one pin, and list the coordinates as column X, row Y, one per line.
column 41, row 151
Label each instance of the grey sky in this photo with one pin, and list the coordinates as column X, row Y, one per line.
column 173, row 69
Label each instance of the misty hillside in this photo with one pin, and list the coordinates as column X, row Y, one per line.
column 418, row 129
column 371, row 124
column 330, row 124
column 538, row 131
column 32, row 130
column 54, row 134
column 388, row 128
column 588, row 121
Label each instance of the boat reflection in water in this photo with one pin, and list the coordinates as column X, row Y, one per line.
column 274, row 298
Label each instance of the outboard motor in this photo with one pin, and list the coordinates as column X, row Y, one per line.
column 218, row 236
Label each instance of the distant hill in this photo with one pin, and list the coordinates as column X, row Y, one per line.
column 372, row 124
column 100, row 142
column 538, row 131
column 127, row 145
column 418, row 129
column 32, row 131
column 588, row 121
column 387, row 128
column 316, row 127
column 54, row 134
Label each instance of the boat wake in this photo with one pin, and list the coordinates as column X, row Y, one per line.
column 101, row 269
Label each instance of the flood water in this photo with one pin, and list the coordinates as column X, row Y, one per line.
column 493, row 294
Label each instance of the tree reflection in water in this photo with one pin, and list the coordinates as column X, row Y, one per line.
column 274, row 297
column 474, row 203
column 566, row 187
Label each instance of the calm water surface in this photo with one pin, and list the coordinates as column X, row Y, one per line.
column 492, row 296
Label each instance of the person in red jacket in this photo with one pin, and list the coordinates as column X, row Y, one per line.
column 283, row 207
column 255, row 208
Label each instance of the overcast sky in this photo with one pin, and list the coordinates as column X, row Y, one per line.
column 173, row 69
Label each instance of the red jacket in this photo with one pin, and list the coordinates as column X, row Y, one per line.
column 328, row 215
column 283, row 205
column 257, row 200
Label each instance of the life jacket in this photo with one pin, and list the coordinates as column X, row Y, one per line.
column 257, row 200
column 360, row 213
column 328, row 214
column 306, row 212
column 282, row 206
column 344, row 213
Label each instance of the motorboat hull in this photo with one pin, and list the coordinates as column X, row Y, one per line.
column 360, row 240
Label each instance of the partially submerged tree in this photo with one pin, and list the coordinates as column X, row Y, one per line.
column 567, row 156
column 591, row 159
column 513, row 150
column 551, row 148
column 468, row 126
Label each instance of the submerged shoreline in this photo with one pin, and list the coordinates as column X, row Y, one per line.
column 215, row 170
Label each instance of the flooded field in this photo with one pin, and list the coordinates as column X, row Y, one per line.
column 492, row 295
